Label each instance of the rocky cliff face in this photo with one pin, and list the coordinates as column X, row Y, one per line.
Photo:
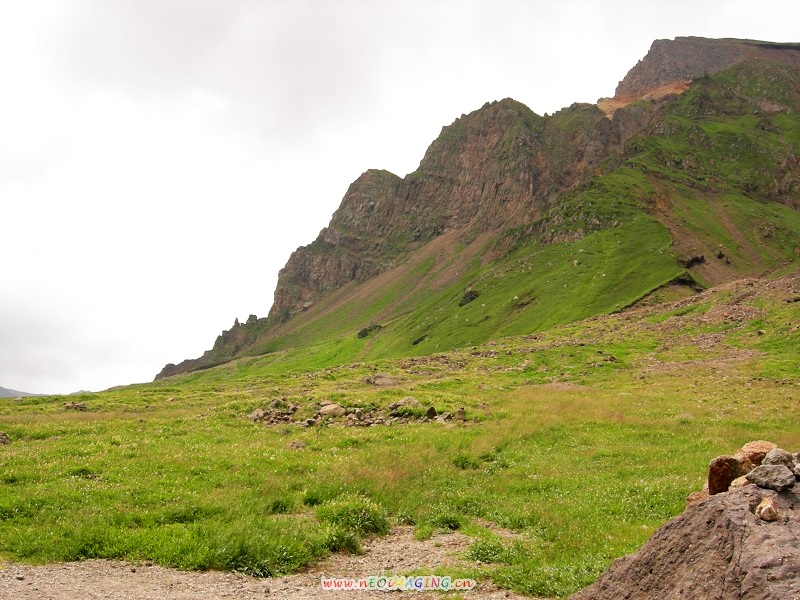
column 671, row 64
column 499, row 166
column 503, row 174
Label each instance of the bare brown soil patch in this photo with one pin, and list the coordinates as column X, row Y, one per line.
column 398, row 552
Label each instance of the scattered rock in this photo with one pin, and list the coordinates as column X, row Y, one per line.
column 407, row 402
column 297, row 444
column 739, row 482
column 430, row 413
column 368, row 330
column 766, row 510
column 381, row 380
column 256, row 415
column 4, row 439
column 756, row 451
column 324, row 403
column 779, row 456
column 773, row 477
column 692, row 261
column 332, row 410
column 721, row 472
column 468, row 297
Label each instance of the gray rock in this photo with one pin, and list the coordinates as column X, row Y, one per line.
column 332, row 410
column 431, row 413
column 407, row 402
column 256, row 415
column 773, row 477
column 778, row 456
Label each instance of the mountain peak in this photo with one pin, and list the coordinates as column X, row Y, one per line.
column 671, row 65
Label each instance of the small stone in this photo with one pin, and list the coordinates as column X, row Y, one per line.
column 738, row 483
column 310, row 422
column 332, row 410
column 431, row 413
column 324, row 403
column 133, row 569
column 256, row 415
column 756, row 451
column 779, row 456
column 745, row 466
column 773, row 477
column 721, row 472
column 20, row 577
column 766, row 510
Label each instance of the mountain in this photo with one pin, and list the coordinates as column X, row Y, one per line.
column 515, row 222
column 7, row 393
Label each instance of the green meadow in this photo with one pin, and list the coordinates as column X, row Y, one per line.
column 581, row 440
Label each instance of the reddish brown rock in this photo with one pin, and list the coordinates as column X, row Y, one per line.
column 756, row 451
column 697, row 496
column 721, row 472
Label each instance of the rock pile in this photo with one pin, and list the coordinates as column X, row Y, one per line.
column 759, row 462
column 401, row 412
column 739, row 542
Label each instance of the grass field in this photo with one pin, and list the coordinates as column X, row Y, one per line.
column 582, row 439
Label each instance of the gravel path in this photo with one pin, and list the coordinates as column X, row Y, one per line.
column 118, row 580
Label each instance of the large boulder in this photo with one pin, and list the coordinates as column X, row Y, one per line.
column 717, row 548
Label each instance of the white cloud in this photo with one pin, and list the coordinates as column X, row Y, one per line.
column 161, row 159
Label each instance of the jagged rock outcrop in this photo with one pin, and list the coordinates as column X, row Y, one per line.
column 227, row 344
column 497, row 167
column 670, row 65
column 502, row 176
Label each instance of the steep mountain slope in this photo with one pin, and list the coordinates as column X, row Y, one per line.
column 515, row 222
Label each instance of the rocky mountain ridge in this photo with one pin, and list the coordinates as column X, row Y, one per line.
column 504, row 176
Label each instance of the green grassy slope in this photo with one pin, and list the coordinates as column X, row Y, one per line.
column 707, row 178
column 580, row 440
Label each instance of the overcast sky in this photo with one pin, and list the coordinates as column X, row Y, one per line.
column 160, row 159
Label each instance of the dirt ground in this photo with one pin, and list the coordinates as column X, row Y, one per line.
column 119, row 580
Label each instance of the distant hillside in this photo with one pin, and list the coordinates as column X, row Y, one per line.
column 7, row 393
column 516, row 222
